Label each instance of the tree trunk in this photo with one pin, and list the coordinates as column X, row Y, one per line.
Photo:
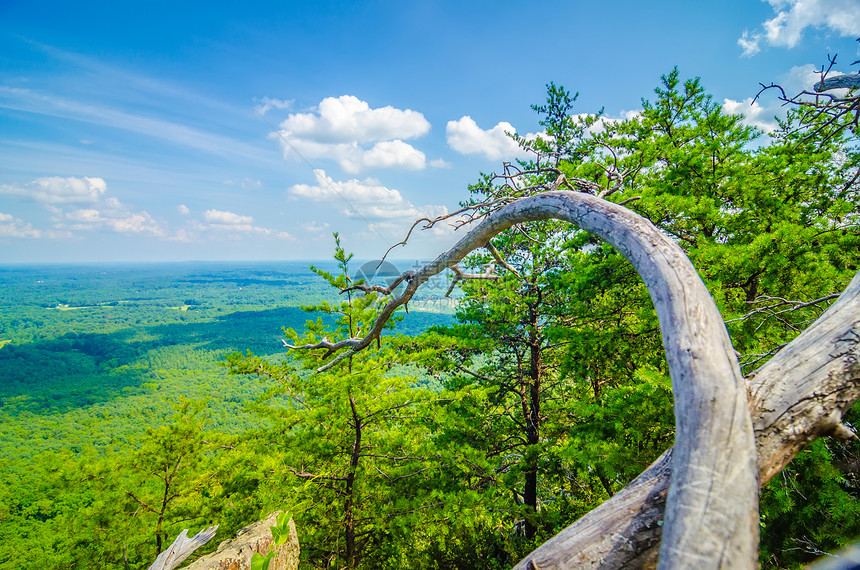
column 532, row 423
column 348, row 514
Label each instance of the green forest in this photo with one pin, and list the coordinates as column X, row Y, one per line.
column 141, row 400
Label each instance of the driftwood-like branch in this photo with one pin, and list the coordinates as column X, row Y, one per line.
column 796, row 397
column 711, row 520
column 182, row 548
column 838, row 82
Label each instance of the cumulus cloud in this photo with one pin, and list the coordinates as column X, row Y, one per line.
column 794, row 16
column 229, row 218
column 183, row 209
column 58, row 190
column 234, row 225
column 348, row 130
column 348, row 118
column 12, row 227
column 77, row 204
column 466, row 137
column 754, row 114
column 115, row 217
column 761, row 113
column 389, row 154
column 367, row 198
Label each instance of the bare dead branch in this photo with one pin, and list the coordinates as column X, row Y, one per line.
column 796, row 397
column 839, row 82
column 712, row 503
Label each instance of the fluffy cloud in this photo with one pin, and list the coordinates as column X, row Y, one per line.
column 754, row 115
column 347, row 118
column 183, row 209
column 227, row 218
column 466, row 137
column 115, row 217
column 76, row 204
column 342, row 129
column 761, row 113
column 396, row 153
column 13, row 227
column 236, row 224
column 58, row 190
column 794, row 16
column 363, row 199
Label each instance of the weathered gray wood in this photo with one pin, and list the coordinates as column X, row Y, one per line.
column 839, row 82
column 236, row 553
column 711, row 517
column 182, row 548
column 798, row 395
column 847, row 559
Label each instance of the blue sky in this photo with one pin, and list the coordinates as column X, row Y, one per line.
column 156, row 132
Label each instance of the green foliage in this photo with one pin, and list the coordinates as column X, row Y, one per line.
column 86, row 389
column 462, row 448
column 280, row 534
column 347, row 443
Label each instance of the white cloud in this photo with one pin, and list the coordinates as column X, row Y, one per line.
column 314, row 227
column 754, row 115
column 13, row 227
column 266, row 104
column 226, row 218
column 91, row 208
column 343, row 128
column 600, row 125
column 354, row 159
column 183, row 209
column 794, row 16
column 58, row 190
column 348, row 118
column 234, row 225
column 386, row 154
column 368, row 198
column 115, row 217
column 762, row 113
column 440, row 163
column 466, row 137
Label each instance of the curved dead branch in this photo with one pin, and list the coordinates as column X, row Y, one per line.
column 851, row 81
column 796, row 397
column 711, row 520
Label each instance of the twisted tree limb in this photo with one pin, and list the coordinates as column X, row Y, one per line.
column 796, row 397
column 711, row 517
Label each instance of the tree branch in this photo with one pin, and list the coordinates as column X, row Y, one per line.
column 712, row 515
column 796, row 397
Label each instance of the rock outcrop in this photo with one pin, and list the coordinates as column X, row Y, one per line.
column 236, row 553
